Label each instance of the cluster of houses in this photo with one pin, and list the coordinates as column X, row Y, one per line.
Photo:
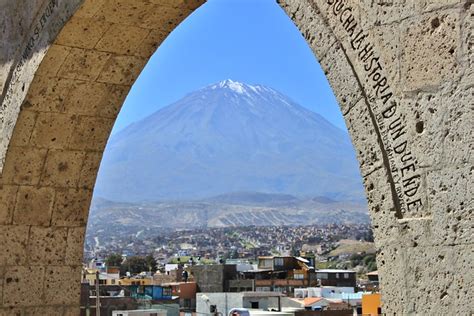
column 275, row 285
column 230, row 242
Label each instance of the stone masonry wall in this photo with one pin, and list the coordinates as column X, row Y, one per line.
column 409, row 109
column 68, row 72
column 402, row 73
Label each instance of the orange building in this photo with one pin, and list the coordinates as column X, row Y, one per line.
column 371, row 304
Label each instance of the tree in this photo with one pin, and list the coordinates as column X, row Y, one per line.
column 294, row 252
column 135, row 265
column 370, row 262
column 114, row 260
column 234, row 254
column 369, row 236
column 151, row 263
column 356, row 259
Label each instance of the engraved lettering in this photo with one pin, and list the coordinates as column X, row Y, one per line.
column 338, row 7
column 390, row 123
column 414, row 203
column 387, row 113
column 400, row 148
column 410, row 167
column 396, row 127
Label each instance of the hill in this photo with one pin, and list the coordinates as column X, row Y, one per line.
column 124, row 219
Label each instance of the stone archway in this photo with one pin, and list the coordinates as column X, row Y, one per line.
column 401, row 71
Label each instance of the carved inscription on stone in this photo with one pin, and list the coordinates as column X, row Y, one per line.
column 17, row 89
column 16, row 85
column 48, row 11
column 386, row 114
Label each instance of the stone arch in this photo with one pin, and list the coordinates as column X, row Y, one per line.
column 401, row 71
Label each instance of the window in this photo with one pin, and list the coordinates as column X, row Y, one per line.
column 254, row 304
column 346, row 275
column 279, row 262
column 322, row 276
column 298, row 276
column 187, row 303
column 279, row 289
column 167, row 291
column 337, row 275
column 266, row 263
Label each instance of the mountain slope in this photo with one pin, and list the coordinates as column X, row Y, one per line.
column 229, row 137
column 232, row 210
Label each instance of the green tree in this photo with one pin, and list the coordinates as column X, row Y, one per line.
column 134, row 265
column 114, row 260
column 137, row 264
column 370, row 262
column 294, row 252
column 151, row 263
column 372, row 266
column 356, row 259
column 233, row 254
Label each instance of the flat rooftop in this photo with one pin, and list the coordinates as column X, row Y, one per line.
column 334, row 271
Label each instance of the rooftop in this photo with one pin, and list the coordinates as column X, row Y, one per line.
column 311, row 300
column 334, row 271
column 261, row 294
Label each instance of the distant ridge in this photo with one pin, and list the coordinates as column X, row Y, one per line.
column 227, row 210
column 252, row 198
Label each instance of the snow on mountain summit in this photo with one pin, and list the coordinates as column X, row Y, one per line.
column 232, row 85
column 238, row 87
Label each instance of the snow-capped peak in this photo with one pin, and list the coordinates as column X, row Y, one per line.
column 227, row 82
column 241, row 88
column 235, row 86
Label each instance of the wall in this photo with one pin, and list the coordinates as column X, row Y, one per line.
column 371, row 304
column 223, row 301
column 213, row 278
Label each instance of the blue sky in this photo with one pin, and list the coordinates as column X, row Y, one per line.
column 251, row 41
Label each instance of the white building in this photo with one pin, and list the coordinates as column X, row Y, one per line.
column 324, row 291
column 141, row 312
column 255, row 302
